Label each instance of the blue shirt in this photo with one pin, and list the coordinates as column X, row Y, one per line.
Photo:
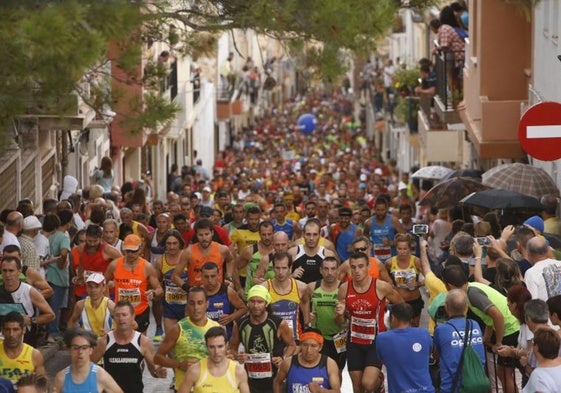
column 449, row 345
column 406, row 353
column 88, row 386
column 56, row 275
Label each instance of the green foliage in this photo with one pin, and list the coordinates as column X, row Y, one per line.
column 406, row 78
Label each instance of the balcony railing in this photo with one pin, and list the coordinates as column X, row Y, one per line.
column 448, row 84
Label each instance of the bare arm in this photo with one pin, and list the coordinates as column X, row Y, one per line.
column 106, row 383
column 161, row 358
column 147, row 349
column 99, row 349
column 334, row 380
column 191, row 376
column 425, row 265
column 59, row 381
column 498, row 325
column 236, row 302
column 78, row 308
column 278, row 382
column 241, row 377
column 384, row 275
column 383, row 289
column 33, row 278
column 304, row 301
column 285, row 334
column 46, row 314
column 340, row 307
column 153, row 281
column 477, row 270
column 38, row 362
column 181, row 267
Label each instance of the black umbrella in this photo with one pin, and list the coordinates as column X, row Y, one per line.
column 501, row 199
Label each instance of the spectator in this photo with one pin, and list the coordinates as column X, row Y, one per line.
column 546, row 378
column 405, row 351
column 542, row 279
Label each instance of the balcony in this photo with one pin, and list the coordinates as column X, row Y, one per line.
column 496, row 78
column 66, row 112
column 231, row 99
column 448, row 92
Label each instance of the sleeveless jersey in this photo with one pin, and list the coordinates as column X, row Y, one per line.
column 94, row 263
column 366, row 314
column 194, row 271
column 88, row 386
column 80, row 290
column 377, row 233
column 401, row 276
column 132, row 286
column 218, row 305
column 190, row 344
column 299, row 376
column 499, row 300
column 323, row 304
column 207, row 383
column 173, row 295
column 124, row 362
column 287, row 306
column 261, row 343
column 17, row 300
column 287, row 227
column 14, row 369
column 311, row 264
column 155, row 249
column 99, row 319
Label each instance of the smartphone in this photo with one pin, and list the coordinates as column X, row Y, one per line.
column 420, row 229
column 483, row 241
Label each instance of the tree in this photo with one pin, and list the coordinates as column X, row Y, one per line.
column 49, row 47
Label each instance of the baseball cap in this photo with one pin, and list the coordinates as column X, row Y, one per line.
column 402, row 186
column 535, row 222
column 31, row 222
column 378, row 171
column 98, row 278
column 207, row 189
column 259, row 291
column 363, row 177
column 206, row 211
column 132, row 243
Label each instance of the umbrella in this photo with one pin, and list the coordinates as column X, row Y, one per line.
column 473, row 173
column 501, row 199
column 449, row 192
column 434, row 172
column 523, row 178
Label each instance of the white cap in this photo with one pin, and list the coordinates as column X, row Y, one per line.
column 402, row 186
column 98, row 278
column 207, row 189
column 363, row 177
column 378, row 171
column 30, row 223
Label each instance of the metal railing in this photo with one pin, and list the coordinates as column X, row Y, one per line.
column 448, row 85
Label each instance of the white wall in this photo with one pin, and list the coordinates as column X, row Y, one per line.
column 546, row 66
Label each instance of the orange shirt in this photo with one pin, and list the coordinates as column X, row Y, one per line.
column 373, row 272
column 198, row 259
column 132, row 285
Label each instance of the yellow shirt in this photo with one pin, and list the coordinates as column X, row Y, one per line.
column 14, row 369
column 435, row 286
column 208, row 383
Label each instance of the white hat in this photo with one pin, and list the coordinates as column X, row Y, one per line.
column 30, row 223
column 98, row 278
column 402, row 186
column 378, row 171
column 363, row 177
column 207, row 189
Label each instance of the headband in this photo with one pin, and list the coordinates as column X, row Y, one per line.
column 311, row 336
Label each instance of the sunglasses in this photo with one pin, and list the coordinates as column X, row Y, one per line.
column 361, row 249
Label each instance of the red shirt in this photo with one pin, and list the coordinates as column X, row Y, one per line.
column 366, row 312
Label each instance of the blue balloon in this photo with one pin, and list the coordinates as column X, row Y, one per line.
column 307, row 123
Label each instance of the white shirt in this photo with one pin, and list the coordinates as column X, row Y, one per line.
column 8, row 239
column 542, row 279
column 544, row 380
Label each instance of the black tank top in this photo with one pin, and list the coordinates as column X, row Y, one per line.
column 123, row 362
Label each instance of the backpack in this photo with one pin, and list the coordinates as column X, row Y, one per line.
column 474, row 379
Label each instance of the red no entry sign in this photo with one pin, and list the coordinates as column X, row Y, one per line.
column 539, row 131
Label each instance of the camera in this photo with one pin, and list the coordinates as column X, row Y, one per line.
column 420, row 229
column 483, row 241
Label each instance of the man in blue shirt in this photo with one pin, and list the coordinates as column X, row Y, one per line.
column 405, row 351
column 449, row 338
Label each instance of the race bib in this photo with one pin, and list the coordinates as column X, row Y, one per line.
column 175, row 295
column 131, row 295
column 259, row 365
column 382, row 252
column 363, row 329
column 340, row 341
